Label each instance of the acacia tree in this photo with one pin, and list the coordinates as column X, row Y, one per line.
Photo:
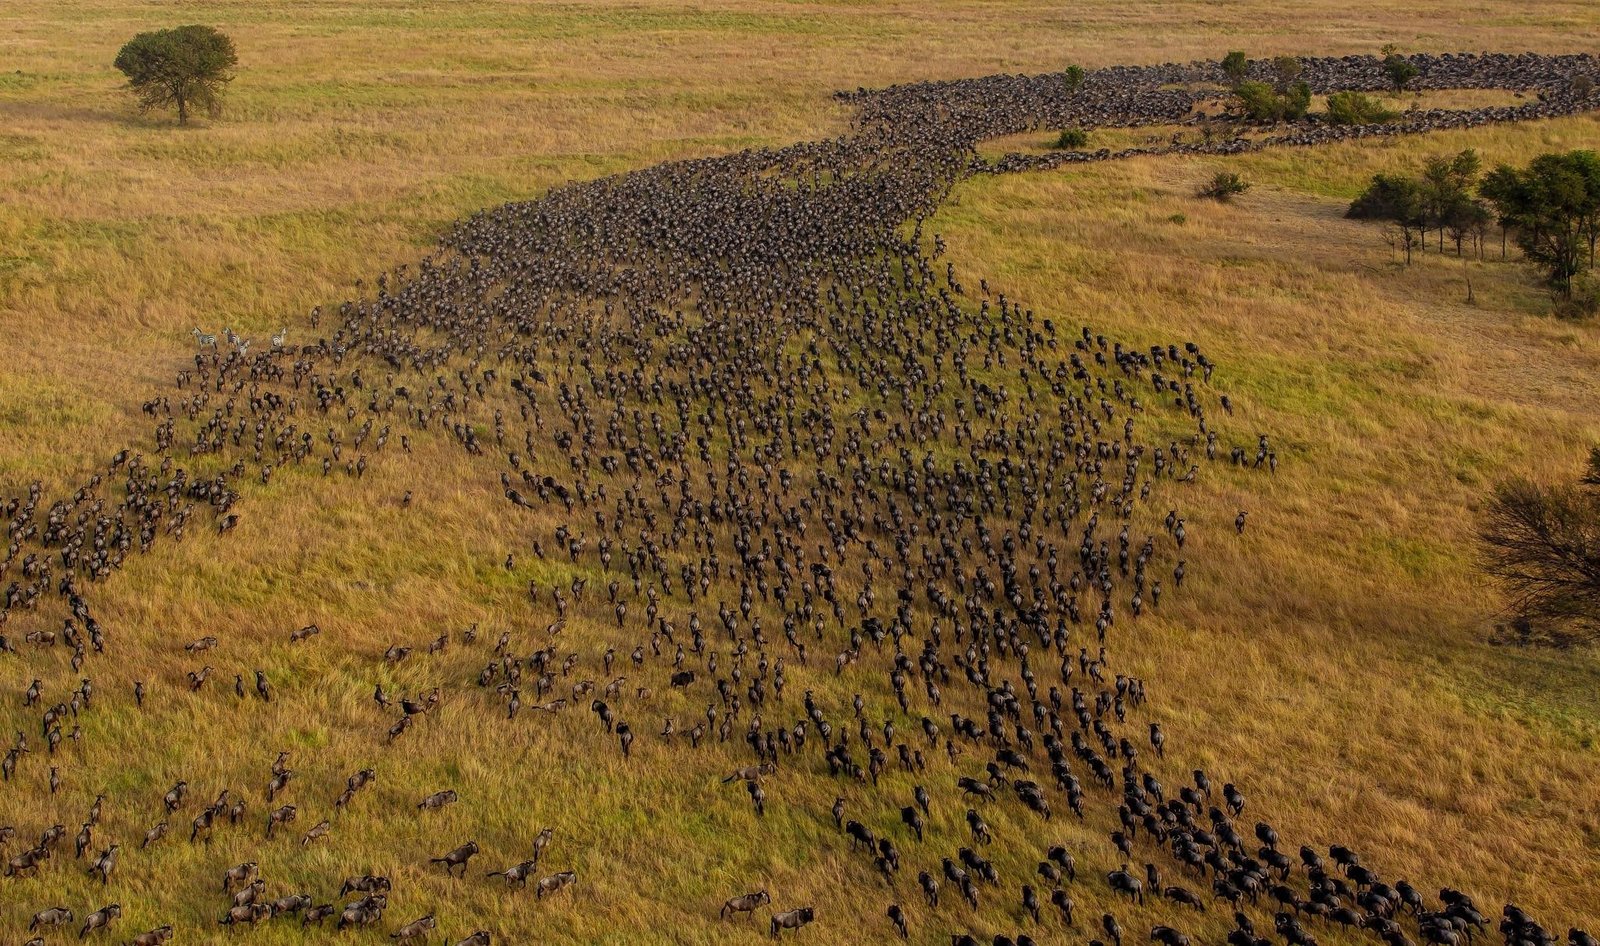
column 1542, row 544
column 1553, row 206
column 186, row 67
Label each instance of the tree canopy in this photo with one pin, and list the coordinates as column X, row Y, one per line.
column 186, row 67
column 1440, row 199
column 1553, row 207
column 1542, row 544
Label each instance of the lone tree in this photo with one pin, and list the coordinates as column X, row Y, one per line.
column 1074, row 77
column 1542, row 544
column 184, row 67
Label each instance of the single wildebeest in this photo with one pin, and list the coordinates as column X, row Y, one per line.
column 897, row 916
column 155, row 937
column 420, row 927
column 439, row 800
column 100, row 919
column 859, row 834
column 53, row 917
column 1062, row 902
column 792, row 919
column 746, row 904
column 555, row 883
column 366, row 883
column 28, row 860
column 246, row 913
column 317, row 914
column 478, row 938
column 293, row 903
column 456, row 858
column 912, row 819
column 1123, row 882
column 515, row 875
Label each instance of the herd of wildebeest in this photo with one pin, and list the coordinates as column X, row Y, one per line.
column 780, row 446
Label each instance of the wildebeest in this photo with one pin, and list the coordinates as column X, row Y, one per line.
column 155, row 937
column 555, row 883
column 100, row 919
column 418, row 928
column 366, row 883
column 456, row 858
column 439, row 800
column 792, row 919
column 745, row 903
column 55, row 916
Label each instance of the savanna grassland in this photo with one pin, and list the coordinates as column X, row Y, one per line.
column 1336, row 661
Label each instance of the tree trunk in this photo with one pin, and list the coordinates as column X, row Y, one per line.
column 183, row 110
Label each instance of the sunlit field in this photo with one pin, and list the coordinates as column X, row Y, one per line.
column 1336, row 658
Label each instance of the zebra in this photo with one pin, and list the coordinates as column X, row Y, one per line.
column 205, row 339
column 279, row 338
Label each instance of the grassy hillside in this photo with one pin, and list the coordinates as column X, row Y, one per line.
column 1335, row 663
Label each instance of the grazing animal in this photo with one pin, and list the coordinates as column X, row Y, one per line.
column 100, row 919
column 555, row 883
column 792, row 919
column 456, row 858
column 745, row 904
column 416, row 929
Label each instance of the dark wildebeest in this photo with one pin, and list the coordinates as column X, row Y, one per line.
column 439, row 800
column 100, row 919
column 366, row 883
column 456, row 858
column 792, row 919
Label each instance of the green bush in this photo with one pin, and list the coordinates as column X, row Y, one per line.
column 1261, row 102
column 1235, row 66
column 1399, row 70
column 1224, row 187
column 1072, row 139
column 1354, row 108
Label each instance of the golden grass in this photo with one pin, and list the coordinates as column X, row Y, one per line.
column 1333, row 662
